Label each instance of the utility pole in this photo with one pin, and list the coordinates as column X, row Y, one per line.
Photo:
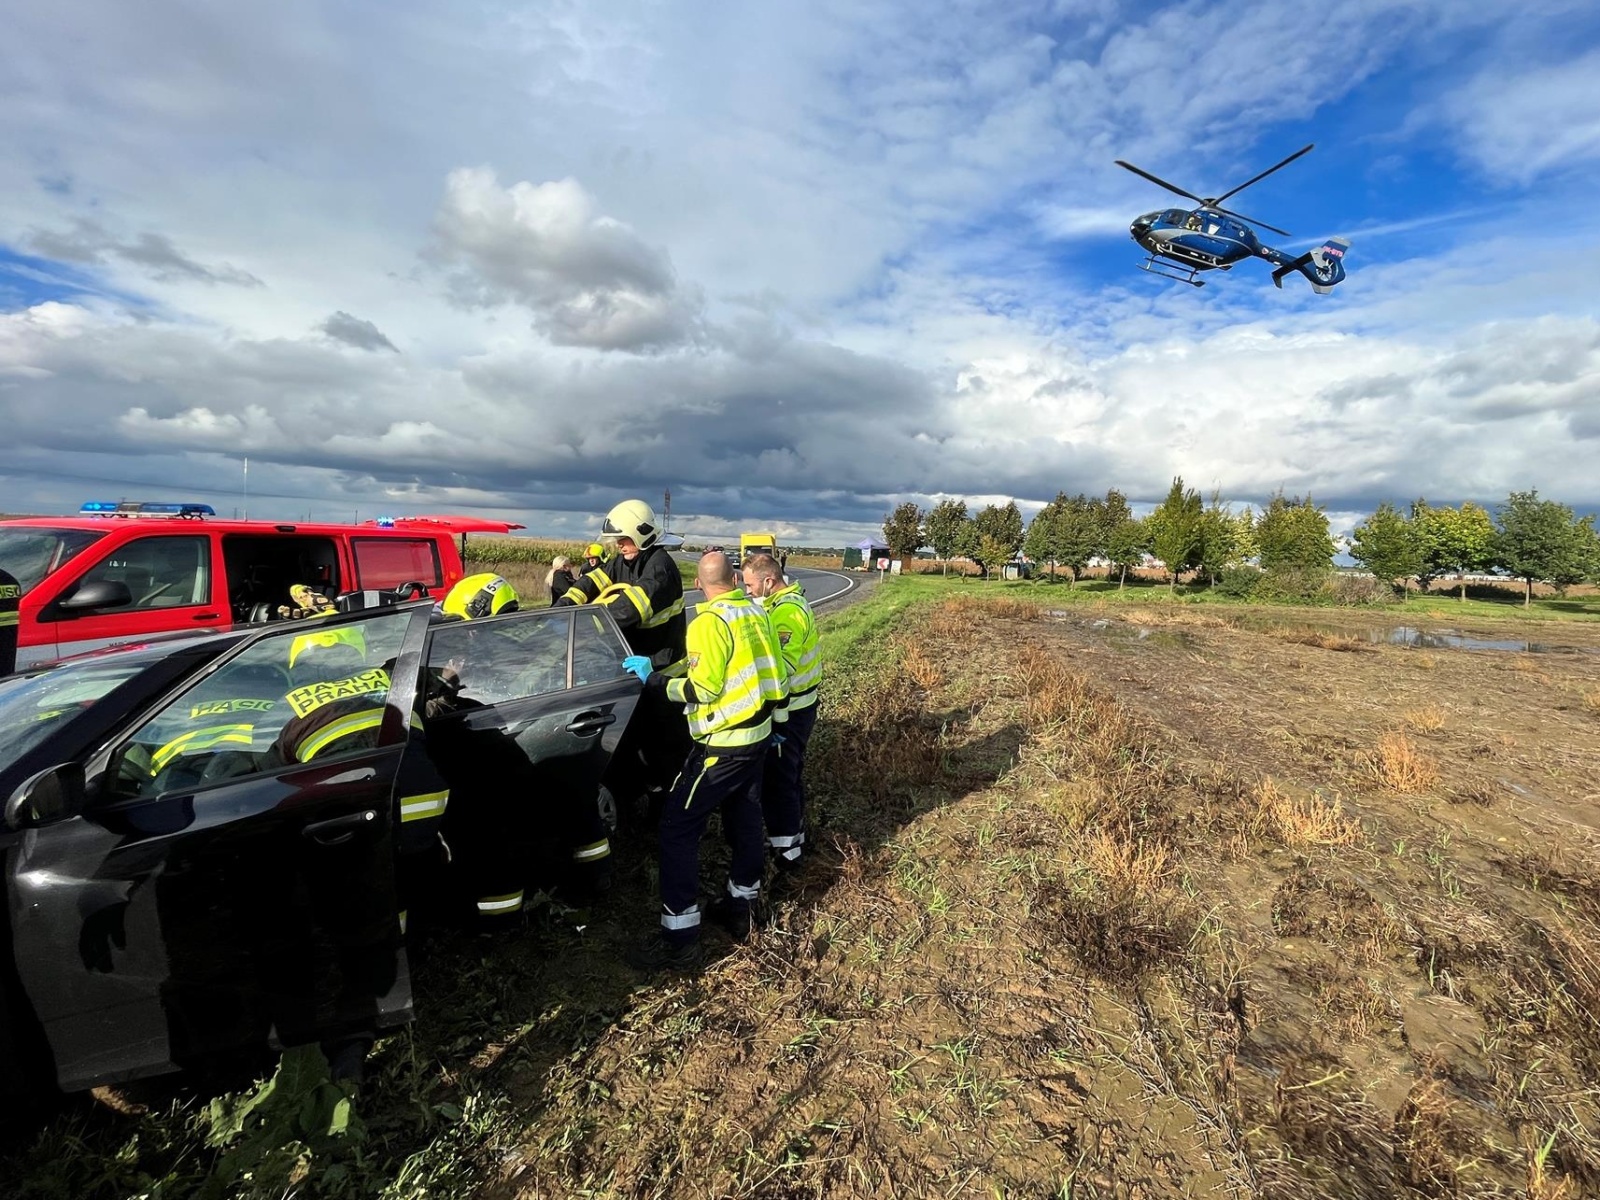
column 246, row 487
column 666, row 510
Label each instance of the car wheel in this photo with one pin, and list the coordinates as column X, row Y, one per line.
column 607, row 804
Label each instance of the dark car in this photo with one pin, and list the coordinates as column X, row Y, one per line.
column 175, row 892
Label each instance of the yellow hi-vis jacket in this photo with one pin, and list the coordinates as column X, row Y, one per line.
column 735, row 678
column 796, row 627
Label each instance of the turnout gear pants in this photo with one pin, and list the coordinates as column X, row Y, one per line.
column 713, row 778
column 783, row 795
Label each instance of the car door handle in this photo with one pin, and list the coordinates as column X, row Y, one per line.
column 336, row 831
column 205, row 616
column 590, row 723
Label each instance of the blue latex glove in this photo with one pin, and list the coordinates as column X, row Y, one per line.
column 778, row 740
column 639, row 665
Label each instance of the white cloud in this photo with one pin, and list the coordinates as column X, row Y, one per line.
column 1519, row 123
column 589, row 280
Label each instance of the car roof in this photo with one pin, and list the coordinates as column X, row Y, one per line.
column 110, row 524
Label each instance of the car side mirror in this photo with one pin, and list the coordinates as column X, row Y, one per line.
column 97, row 593
column 48, row 796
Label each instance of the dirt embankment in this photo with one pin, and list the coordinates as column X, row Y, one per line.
column 1142, row 910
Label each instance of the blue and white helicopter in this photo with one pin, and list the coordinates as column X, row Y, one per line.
column 1187, row 241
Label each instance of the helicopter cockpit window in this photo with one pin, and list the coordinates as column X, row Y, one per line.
column 1192, row 221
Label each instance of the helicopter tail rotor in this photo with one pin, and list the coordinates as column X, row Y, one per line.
column 1323, row 267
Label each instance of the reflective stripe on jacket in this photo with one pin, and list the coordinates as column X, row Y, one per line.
column 645, row 597
column 796, row 627
column 736, row 676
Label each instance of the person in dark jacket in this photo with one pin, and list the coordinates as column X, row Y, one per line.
column 641, row 587
column 560, row 578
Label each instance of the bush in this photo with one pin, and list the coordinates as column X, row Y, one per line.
column 1239, row 583
column 1297, row 585
column 1351, row 590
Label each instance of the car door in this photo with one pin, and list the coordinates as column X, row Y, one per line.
column 217, row 895
column 173, row 580
column 539, row 704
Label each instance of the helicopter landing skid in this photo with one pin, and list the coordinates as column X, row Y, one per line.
column 1154, row 266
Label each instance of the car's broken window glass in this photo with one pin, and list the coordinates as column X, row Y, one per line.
column 597, row 650
column 492, row 661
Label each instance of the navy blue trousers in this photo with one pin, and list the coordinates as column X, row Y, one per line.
column 713, row 778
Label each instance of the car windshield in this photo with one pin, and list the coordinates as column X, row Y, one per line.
column 35, row 705
column 30, row 552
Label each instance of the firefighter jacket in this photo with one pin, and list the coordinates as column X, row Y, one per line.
column 796, row 628
column 646, row 598
column 734, row 681
column 347, row 714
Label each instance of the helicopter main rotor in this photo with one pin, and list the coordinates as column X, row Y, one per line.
column 1215, row 202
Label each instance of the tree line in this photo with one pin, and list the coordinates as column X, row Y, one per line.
column 1288, row 546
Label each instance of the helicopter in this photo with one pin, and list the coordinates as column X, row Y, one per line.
column 1184, row 242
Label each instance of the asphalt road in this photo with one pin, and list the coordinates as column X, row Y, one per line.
column 820, row 586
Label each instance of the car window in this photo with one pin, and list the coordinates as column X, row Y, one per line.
column 33, row 706
column 502, row 659
column 307, row 692
column 160, row 572
column 597, row 650
column 30, row 553
column 389, row 562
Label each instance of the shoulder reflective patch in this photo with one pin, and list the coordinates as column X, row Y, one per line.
column 212, row 708
column 694, row 661
column 306, row 700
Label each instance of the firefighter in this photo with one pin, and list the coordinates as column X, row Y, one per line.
column 733, row 684
column 641, row 587
column 485, row 595
column 337, row 706
column 498, row 813
column 592, row 558
column 783, row 785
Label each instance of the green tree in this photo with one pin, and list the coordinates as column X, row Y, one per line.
column 1126, row 545
column 1540, row 540
column 1454, row 541
column 1039, row 543
column 1176, row 530
column 991, row 553
column 1244, row 535
column 1080, row 533
column 942, row 528
column 1002, row 522
column 1292, row 535
column 902, row 530
column 1219, row 544
column 1388, row 545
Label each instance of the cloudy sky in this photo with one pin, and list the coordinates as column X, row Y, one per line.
column 796, row 262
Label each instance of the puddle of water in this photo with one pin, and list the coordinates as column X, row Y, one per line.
column 1450, row 639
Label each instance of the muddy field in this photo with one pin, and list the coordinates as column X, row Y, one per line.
column 1134, row 901
column 1160, row 906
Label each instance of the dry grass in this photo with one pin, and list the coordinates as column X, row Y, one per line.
column 1305, row 820
column 1158, row 616
column 1401, row 767
column 1322, row 640
column 1591, row 701
column 1428, row 719
column 1127, row 869
column 920, row 668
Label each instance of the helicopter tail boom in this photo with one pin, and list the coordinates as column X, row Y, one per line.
column 1323, row 267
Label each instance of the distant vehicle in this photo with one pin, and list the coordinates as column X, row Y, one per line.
column 125, row 570
column 168, row 901
column 1184, row 242
column 757, row 543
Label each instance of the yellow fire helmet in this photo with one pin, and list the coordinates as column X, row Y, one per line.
column 480, row 596
column 345, row 638
column 595, row 550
